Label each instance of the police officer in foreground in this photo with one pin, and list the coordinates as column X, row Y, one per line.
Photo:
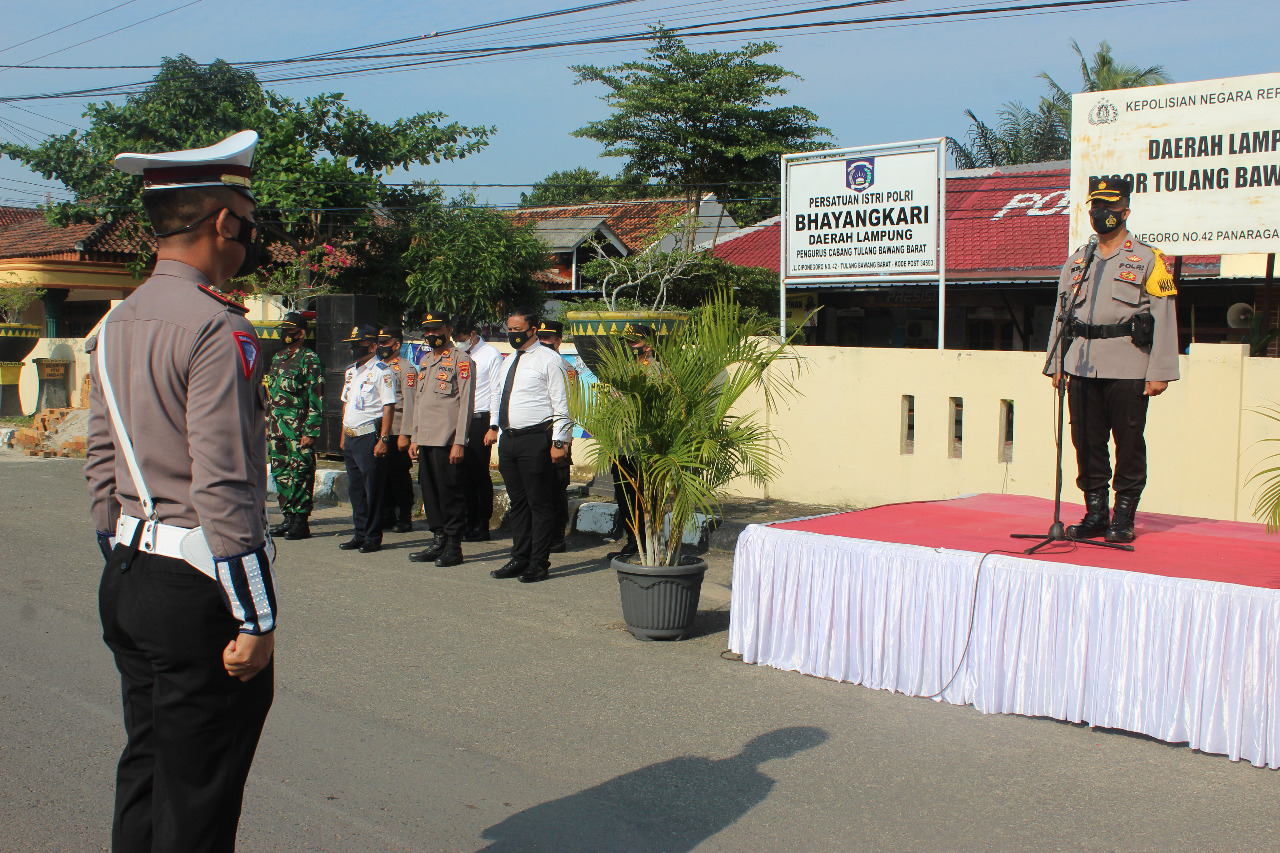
column 551, row 334
column 397, row 497
column 368, row 407
column 529, row 421
column 477, row 483
column 295, row 385
column 438, row 438
column 177, row 472
column 1122, row 351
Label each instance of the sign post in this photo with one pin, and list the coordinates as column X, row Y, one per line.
column 870, row 215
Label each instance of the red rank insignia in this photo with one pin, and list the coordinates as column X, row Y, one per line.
column 1128, row 245
column 1077, row 276
column 573, row 375
column 1129, row 276
column 464, row 369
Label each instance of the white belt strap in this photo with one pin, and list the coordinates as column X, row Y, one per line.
column 126, row 446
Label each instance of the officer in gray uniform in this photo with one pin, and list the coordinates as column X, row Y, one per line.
column 397, row 496
column 1123, row 350
column 177, row 472
column 551, row 334
column 442, row 412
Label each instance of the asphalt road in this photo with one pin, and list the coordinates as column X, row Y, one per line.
column 424, row 709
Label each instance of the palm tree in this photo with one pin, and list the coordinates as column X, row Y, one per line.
column 1102, row 73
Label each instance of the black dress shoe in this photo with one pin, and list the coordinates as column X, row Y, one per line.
column 370, row 547
column 558, row 548
column 513, row 568
column 476, row 534
column 533, row 574
column 452, row 555
column 352, row 545
column 402, row 527
column 300, row 529
column 283, row 527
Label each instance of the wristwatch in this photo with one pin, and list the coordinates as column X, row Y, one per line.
column 558, row 444
column 386, row 439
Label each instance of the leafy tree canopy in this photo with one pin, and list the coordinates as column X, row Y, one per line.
column 318, row 165
column 700, row 120
column 1022, row 135
column 582, row 185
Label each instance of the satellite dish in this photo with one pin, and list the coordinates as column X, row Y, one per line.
column 1239, row 315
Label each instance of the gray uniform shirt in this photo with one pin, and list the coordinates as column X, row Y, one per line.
column 1114, row 291
column 444, row 400
column 403, row 380
column 187, row 373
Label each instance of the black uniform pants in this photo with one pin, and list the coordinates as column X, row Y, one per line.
column 442, row 496
column 476, row 482
column 525, row 464
column 192, row 729
column 1102, row 409
column 625, row 480
column 562, row 479
column 365, row 476
column 397, row 490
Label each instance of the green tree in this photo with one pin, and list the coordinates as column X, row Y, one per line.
column 1022, row 135
column 465, row 258
column 700, row 120
column 582, row 185
column 319, row 165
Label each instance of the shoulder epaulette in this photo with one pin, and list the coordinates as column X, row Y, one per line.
column 223, row 298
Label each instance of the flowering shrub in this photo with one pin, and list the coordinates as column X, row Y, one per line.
column 296, row 276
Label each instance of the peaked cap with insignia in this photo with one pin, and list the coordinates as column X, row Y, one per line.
column 225, row 164
column 1109, row 188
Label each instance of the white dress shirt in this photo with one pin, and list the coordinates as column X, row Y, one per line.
column 488, row 363
column 540, row 392
column 365, row 390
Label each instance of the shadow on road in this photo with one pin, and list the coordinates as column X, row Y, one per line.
column 672, row 806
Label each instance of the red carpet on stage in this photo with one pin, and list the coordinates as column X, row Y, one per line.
column 1169, row 545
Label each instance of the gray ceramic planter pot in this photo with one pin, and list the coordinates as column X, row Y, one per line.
column 660, row 603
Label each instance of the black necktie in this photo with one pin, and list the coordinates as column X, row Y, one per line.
column 505, row 406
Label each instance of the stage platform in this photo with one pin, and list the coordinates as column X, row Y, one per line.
column 1179, row 640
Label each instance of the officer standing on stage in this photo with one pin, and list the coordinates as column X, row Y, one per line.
column 438, row 431
column 529, row 421
column 1122, row 351
column 477, row 482
column 551, row 334
column 177, row 473
column 397, row 494
column 369, row 402
column 295, row 385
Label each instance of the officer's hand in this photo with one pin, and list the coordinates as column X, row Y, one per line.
column 403, row 443
column 380, row 449
column 456, row 454
column 342, row 439
column 1155, row 389
column 248, row 654
column 413, row 450
column 1055, row 379
column 559, row 453
column 491, row 437
column 306, row 441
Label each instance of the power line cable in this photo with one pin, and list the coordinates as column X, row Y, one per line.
column 67, row 26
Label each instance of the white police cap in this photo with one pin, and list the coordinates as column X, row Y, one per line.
column 225, row 164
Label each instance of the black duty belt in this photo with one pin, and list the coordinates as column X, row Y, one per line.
column 542, row 427
column 1094, row 332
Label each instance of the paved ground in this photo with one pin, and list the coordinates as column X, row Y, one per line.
column 423, row 709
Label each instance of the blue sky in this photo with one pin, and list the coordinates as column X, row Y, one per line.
column 868, row 86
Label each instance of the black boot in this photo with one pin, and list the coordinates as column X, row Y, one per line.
column 1121, row 529
column 404, row 524
column 282, row 527
column 452, row 554
column 300, row 529
column 1095, row 518
column 433, row 550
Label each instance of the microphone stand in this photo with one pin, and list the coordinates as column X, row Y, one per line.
column 1067, row 314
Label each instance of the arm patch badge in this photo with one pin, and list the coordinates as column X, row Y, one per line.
column 464, row 369
column 410, row 378
column 1160, row 281
column 247, row 347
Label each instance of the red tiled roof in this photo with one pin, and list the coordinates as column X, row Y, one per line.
column 636, row 223
column 12, row 215
column 31, row 236
column 1000, row 226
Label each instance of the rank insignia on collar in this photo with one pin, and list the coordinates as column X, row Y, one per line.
column 1128, row 245
column 1135, row 258
column 1129, row 276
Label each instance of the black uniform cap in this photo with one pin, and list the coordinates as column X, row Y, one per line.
column 1109, row 188
column 391, row 332
column 431, row 317
column 361, row 333
column 294, row 318
column 550, row 327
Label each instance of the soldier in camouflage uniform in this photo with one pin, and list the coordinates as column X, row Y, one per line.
column 295, row 384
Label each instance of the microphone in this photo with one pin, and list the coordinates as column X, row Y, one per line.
column 1088, row 261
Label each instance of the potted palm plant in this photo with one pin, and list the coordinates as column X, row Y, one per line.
column 675, row 429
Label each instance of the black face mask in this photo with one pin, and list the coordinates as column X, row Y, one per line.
column 249, row 237
column 387, row 352
column 437, row 340
column 518, row 339
column 359, row 350
column 292, row 336
column 1105, row 221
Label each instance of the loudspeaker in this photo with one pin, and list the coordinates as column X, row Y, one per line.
column 344, row 310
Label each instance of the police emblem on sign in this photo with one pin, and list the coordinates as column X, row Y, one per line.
column 1103, row 112
column 860, row 174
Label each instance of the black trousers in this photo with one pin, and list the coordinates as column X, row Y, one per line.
column 624, row 493
column 192, row 729
column 1103, row 409
column 525, row 464
column 442, row 496
column 560, row 525
column 477, row 485
column 397, row 488
column 365, row 476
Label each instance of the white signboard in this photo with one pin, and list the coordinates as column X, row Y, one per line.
column 856, row 215
column 1204, row 159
